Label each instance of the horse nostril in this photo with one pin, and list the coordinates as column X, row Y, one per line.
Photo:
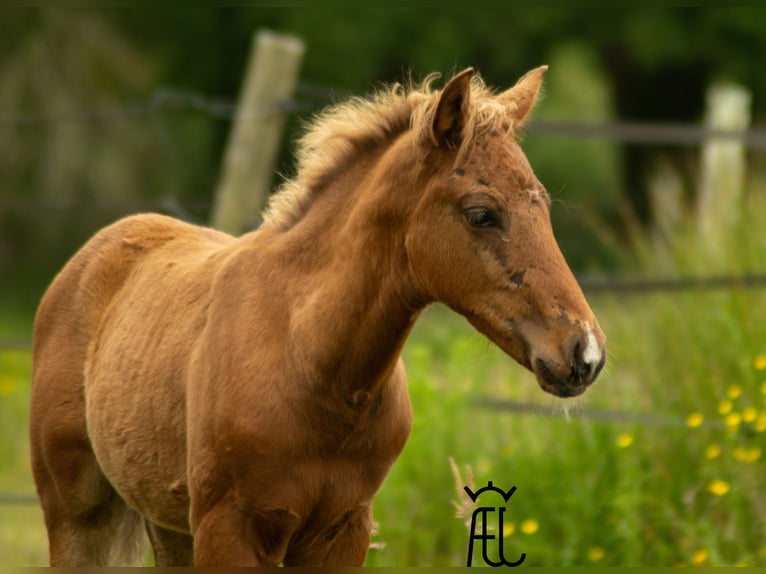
column 587, row 358
column 581, row 367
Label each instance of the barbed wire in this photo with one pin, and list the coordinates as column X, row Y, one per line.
column 15, row 344
column 585, row 413
column 509, row 406
column 647, row 133
column 171, row 100
column 166, row 100
column 160, row 101
column 645, row 285
column 313, row 96
column 167, row 204
column 612, row 284
column 18, row 498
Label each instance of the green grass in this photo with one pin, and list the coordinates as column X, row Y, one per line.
column 622, row 492
column 589, row 491
column 22, row 534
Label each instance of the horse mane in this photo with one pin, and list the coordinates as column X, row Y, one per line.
column 340, row 131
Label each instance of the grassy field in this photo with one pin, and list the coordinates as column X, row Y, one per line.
column 676, row 479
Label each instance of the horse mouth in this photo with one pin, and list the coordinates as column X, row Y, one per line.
column 569, row 386
column 566, row 382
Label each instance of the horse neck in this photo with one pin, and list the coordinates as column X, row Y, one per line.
column 350, row 292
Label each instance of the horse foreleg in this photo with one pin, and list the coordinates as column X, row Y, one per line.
column 228, row 535
column 344, row 543
column 350, row 547
column 170, row 548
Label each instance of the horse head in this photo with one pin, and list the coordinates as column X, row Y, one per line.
column 480, row 238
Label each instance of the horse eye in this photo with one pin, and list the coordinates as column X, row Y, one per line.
column 481, row 217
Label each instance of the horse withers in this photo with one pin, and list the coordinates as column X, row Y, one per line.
column 241, row 400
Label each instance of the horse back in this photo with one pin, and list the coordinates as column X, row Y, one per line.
column 77, row 298
column 76, row 312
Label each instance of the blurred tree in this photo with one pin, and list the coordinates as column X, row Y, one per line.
column 658, row 60
column 66, row 64
column 79, row 135
column 661, row 61
column 641, row 63
column 582, row 176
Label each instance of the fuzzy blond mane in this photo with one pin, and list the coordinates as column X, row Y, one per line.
column 336, row 133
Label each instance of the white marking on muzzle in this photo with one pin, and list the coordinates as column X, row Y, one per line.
column 592, row 354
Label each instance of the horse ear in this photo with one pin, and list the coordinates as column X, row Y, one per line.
column 452, row 110
column 520, row 99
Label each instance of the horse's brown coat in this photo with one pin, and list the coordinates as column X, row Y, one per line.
column 244, row 398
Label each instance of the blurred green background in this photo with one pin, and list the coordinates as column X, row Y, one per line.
column 89, row 132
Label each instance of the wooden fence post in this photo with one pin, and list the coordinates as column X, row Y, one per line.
column 722, row 177
column 256, row 134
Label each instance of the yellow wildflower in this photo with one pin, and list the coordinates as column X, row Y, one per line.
column 753, row 454
column 733, row 420
column 749, row 414
column 624, row 440
column 595, row 554
column 734, row 391
column 760, row 362
column 740, row 453
column 529, row 526
column 760, row 424
column 508, row 529
column 7, row 385
column 724, row 407
column 718, row 487
column 713, row 451
column 699, row 557
column 694, row 420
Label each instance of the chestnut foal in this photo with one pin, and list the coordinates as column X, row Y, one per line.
column 241, row 400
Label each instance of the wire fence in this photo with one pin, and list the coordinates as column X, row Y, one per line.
column 311, row 97
column 518, row 408
column 648, row 133
column 596, row 285
column 165, row 100
column 18, row 498
column 509, row 406
column 584, row 413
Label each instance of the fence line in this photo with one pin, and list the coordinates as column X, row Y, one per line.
column 491, row 403
column 166, row 203
column 639, row 285
column 647, row 133
column 613, row 284
column 166, row 100
column 313, row 97
column 18, row 498
column 584, row 413
column 15, row 344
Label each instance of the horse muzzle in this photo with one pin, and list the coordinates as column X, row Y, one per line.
column 572, row 370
